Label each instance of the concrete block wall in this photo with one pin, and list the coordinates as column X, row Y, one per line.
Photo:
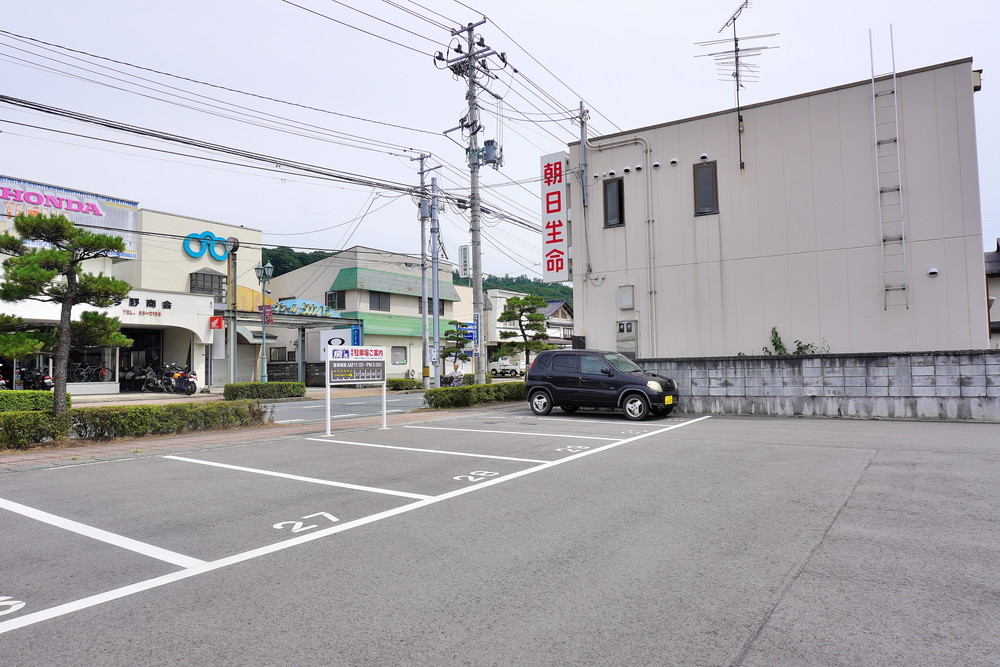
column 921, row 385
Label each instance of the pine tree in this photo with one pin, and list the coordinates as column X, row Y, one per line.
column 53, row 273
column 523, row 311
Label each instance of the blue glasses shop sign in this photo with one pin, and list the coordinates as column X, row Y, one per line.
column 196, row 245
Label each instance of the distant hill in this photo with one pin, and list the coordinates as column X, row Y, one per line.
column 285, row 260
column 548, row 291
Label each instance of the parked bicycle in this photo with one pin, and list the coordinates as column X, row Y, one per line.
column 85, row 373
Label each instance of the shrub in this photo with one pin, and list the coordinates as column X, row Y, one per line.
column 402, row 383
column 467, row 395
column 27, row 399
column 22, row 428
column 264, row 390
column 18, row 430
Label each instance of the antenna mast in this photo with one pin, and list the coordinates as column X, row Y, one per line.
column 732, row 64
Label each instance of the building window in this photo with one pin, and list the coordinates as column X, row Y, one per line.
column 398, row 355
column 336, row 300
column 277, row 354
column 706, row 189
column 209, row 283
column 378, row 300
column 614, row 202
column 430, row 306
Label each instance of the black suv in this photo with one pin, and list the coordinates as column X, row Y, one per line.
column 573, row 379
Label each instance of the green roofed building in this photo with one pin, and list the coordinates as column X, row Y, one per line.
column 383, row 290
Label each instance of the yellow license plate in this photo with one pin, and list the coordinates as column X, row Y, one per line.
column 668, row 400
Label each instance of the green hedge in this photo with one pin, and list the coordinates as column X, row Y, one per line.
column 18, row 430
column 244, row 390
column 466, row 395
column 402, row 383
column 27, row 399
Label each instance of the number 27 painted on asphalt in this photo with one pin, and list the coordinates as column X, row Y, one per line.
column 298, row 526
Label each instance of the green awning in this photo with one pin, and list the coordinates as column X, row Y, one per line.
column 385, row 324
column 384, row 281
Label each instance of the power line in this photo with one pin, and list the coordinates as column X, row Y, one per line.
column 218, row 86
column 123, row 127
column 353, row 27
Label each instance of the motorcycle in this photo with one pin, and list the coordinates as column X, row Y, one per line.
column 159, row 380
column 184, row 380
column 3, row 383
column 36, row 379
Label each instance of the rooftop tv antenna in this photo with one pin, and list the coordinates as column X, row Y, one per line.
column 733, row 64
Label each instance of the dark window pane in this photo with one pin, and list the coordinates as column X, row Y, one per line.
column 565, row 363
column 378, row 300
column 614, row 203
column 336, row 300
column 706, row 189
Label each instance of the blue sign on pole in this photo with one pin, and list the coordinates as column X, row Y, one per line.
column 468, row 330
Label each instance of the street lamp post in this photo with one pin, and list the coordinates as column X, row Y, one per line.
column 264, row 274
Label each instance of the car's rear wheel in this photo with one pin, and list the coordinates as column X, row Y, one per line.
column 569, row 408
column 636, row 407
column 541, row 403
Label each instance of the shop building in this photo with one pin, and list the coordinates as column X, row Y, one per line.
column 382, row 291
column 179, row 269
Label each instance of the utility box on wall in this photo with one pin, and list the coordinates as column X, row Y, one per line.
column 627, row 338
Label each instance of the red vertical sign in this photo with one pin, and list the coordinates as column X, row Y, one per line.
column 555, row 237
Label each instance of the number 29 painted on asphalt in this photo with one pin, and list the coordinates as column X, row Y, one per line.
column 476, row 476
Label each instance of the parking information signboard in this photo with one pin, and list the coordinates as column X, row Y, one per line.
column 354, row 365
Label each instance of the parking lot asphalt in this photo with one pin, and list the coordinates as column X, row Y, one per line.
column 493, row 536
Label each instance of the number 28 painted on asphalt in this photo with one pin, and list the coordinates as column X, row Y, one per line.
column 476, row 476
column 298, row 526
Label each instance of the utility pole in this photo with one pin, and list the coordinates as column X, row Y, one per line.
column 232, row 244
column 425, row 214
column 468, row 65
column 436, row 349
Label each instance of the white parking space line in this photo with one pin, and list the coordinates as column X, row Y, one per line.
column 288, row 421
column 101, row 598
column 429, row 451
column 534, row 434
column 101, row 535
column 299, row 478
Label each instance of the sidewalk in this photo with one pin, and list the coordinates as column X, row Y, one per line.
column 132, row 397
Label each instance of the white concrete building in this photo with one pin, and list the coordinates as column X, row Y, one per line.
column 848, row 218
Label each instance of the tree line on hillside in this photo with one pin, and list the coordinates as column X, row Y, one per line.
column 285, row 260
column 523, row 284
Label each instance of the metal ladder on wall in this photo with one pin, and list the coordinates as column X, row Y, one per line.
column 889, row 184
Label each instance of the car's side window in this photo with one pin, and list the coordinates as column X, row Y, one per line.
column 590, row 365
column 566, row 363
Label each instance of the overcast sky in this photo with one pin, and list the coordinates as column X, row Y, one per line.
column 333, row 71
